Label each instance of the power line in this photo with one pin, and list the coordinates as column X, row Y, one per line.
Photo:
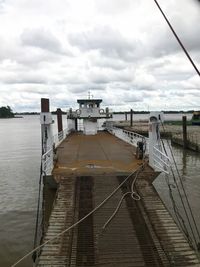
column 177, row 38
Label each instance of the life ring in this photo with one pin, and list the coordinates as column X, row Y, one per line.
column 78, row 112
column 101, row 111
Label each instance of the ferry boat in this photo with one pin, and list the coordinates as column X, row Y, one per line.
column 99, row 205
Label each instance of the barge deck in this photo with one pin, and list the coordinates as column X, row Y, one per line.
column 141, row 232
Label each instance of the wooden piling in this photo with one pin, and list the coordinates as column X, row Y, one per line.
column 44, row 105
column 131, row 118
column 76, row 124
column 125, row 116
column 184, row 120
column 59, row 120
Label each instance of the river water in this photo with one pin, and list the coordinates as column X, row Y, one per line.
column 19, row 176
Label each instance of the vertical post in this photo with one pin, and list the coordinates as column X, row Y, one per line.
column 44, row 105
column 76, row 124
column 60, row 123
column 131, row 118
column 46, row 133
column 125, row 116
column 184, row 120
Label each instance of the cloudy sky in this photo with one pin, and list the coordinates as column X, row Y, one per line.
column 121, row 50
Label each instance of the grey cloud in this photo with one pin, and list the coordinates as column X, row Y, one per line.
column 107, row 75
column 25, row 80
column 43, row 39
column 85, row 87
column 184, row 19
column 113, row 7
column 62, row 103
column 108, row 41
column 24, row 55
column 133, row 98
column 2, row 5
column 102, row 62
column 32, row 58
column 99, row 78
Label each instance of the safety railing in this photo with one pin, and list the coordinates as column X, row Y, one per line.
column 47, row 162
column 160, row 160
column 59, row 137
column 48, row 157
column 130, row 137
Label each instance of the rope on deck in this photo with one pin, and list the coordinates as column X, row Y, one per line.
column 134, row 195
column 140, row 168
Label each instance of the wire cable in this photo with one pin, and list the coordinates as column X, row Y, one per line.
column 182, row 185
column 178, row 215
column 177, row 38
column 184, row 192
column 81, row 220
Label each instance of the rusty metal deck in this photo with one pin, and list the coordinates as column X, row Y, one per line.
column 102, row 153
column 142, row 234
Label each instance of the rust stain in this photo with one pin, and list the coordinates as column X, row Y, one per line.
column 101, row 153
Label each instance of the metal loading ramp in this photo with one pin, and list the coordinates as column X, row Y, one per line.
column 141, row 234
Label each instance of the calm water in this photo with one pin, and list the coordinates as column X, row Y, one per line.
column 19, row 176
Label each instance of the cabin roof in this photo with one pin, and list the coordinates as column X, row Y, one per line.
column 82, row 101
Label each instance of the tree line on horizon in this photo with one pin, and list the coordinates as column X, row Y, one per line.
column 6, row 112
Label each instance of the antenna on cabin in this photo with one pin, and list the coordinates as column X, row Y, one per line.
column 90, row 96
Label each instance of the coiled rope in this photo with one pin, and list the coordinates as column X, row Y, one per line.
column 82, row 219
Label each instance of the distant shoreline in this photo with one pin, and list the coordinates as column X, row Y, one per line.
column 114, row 112
column 15, row 117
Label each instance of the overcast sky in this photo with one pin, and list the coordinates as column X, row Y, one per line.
column 121, row 50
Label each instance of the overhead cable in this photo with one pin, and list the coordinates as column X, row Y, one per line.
column 178, row 39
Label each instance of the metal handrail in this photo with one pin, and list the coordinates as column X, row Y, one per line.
column 161, row 159
column 47, row 162
column 48, row 157
column 46, row 153
column 59, row 137
column 129, row 137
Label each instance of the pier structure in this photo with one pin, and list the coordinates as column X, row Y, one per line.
column 106, row 211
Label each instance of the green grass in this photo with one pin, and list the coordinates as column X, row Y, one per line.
column 177, row 123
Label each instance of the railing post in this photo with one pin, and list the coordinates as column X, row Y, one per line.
column 154, row 135
column 46, row 129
